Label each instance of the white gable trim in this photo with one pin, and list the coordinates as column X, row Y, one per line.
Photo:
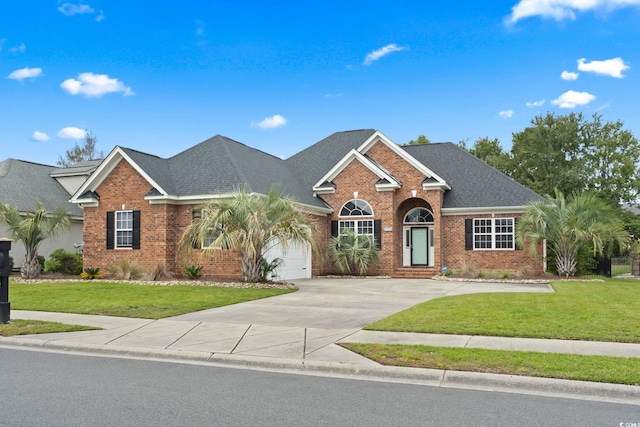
column 378, row 136
column 346, row 161
column 106, row 167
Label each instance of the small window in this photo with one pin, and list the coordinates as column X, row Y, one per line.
column 124, row 229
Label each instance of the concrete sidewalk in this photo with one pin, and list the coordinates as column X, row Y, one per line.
column 315, row 351
column 297, row 343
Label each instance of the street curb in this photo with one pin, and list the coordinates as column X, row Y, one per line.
column 585, row 390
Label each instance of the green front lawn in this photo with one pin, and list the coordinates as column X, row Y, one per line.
column 28, row 327
column 128, row 300
column 595, row 311
column 616, row 370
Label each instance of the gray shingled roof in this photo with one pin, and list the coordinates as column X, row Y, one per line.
column 85, row 167
column 314, row 162
column 473, row 182
column 220, row 165
column 22, row 183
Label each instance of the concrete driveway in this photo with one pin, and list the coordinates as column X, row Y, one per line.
column 303, row 325
column 346, row 303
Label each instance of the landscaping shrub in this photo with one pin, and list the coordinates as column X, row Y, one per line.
column 91, row 274
column 125, row 269
column 194, row 272
column 61, row 261
column 159, row 273
column 10, row 263
column 353, row 253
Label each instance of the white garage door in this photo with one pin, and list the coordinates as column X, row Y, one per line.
column 297, row 261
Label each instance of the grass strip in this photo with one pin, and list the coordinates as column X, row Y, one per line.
column 578, row 310
column 29, row 327
column 128, row 300
column 615, row 370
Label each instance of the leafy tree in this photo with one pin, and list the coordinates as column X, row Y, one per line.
column 546, row 156
column 611, row 156
column 490, row 151
column 250, row 223
column 353, row 252
column 79, row 153
column 32, row 228
column 574, row 154
column 421, row 139
column 569, row 224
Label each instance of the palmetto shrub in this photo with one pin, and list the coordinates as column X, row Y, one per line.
column 353, row 253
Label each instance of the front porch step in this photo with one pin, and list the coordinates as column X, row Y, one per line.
column 414, row 273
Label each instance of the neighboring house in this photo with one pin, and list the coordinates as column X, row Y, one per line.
column 428, row 206
column 23, row 183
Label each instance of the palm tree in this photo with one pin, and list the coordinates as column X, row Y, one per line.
column 353, row 252
column 250, row 223
column 569, row 224
column 32, row 228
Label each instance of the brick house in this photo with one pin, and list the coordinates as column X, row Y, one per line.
column 428, row 206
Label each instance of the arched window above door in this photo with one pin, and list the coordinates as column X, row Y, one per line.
column 419, row 216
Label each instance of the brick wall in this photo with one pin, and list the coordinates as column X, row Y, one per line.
column 161, row 227
column 457, row 258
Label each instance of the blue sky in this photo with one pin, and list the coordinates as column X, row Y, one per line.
column 278, row 76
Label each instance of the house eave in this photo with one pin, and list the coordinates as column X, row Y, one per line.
column 483, row 210
column 436, row 186
column 203, row 198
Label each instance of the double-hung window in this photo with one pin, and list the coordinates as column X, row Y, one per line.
column 123, row 229
column 492, row 233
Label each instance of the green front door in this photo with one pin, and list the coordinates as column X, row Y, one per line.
column 419, row 246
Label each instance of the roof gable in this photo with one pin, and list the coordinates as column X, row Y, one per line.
column 386, row 181
column 151, row 168
column 22, row 183
column 376, row 137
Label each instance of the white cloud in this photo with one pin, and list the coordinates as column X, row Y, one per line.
column 270, row 122
column 377, row 54
column 535, row 103
column 70, row 9
column 610, row 67
column 20, row 48
column 568, row 75
column 95, row 85
column 333, row 95
column 40, row 136
column 100, row 16
column 571, row 99
column 25, row 73
column 563, row 9
column 72, row 133
column 506, row 114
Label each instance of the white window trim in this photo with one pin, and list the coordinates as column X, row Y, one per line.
column 358, row 221
column 117, row 245
column 357, row 226
column 493, row 234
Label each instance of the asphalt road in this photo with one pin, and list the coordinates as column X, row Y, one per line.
column 54, row 389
